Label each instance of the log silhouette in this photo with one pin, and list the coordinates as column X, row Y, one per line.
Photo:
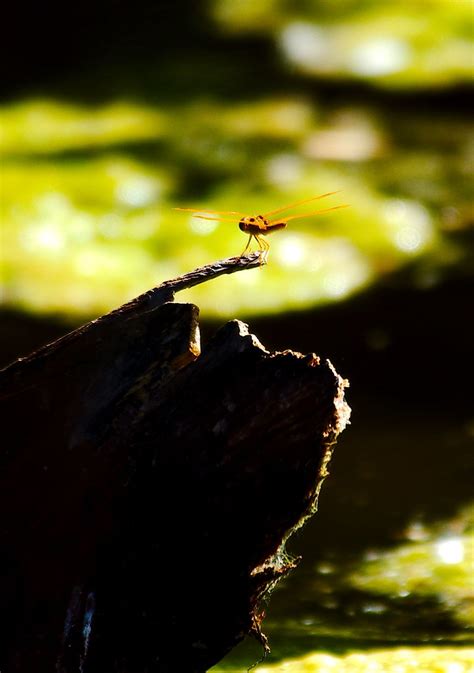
column 147, row 489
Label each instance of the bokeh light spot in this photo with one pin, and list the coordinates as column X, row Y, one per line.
column 450, row 550
column 409, row 225
column 291, row 251
column 138, row 191
column 305, row 44
column 203, row 227
column 381, row 56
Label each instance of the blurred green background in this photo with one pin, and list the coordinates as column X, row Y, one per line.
column 114, row 114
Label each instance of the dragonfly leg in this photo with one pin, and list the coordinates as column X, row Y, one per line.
column 264, row 247
column 247, row 246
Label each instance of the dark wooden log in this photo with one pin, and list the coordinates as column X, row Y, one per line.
column 147, row 490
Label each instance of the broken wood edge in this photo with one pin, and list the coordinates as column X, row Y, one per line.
column 342, row 414
column 268, row 574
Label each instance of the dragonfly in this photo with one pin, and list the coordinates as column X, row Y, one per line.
column 259, row 226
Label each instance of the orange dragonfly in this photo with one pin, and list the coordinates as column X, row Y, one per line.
column 258, row 226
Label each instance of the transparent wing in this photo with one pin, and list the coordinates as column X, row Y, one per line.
column 314, row 212
column 219, row 219
column 210, row 210
column 298, row 203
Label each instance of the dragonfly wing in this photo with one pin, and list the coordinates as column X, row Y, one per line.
column 298, row 203
column 210, row 210
column 314, row 212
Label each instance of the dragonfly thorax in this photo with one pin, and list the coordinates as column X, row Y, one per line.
column 253, row 224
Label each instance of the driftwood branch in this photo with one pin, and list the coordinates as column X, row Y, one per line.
column 147, row 488
column 167, row 290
